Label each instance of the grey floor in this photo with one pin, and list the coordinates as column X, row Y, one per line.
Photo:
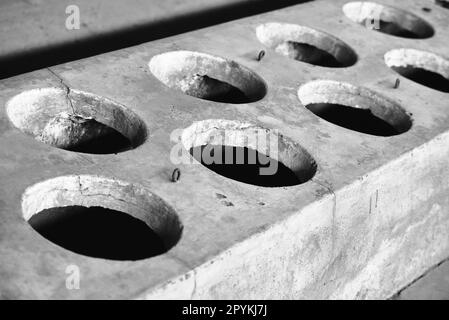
column 434, row 285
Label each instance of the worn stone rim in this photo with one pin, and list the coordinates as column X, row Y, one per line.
column 289, row 153
column 343, row 93
column 273, row 34
column 31, row 110
column 406, row 57
column 96, row 191
column 359, row 11
column 172, row 68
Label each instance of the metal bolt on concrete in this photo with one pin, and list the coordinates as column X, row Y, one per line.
column 360, row 213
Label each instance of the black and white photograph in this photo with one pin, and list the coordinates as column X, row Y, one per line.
column 224, row 158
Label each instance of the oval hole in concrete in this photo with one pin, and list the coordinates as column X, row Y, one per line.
column 354, row 108
column 425, row 68
column 207, row 77
column 100, row 217
column 76, row 121
column 248, row 153
column 388, row 20
column 306, row 44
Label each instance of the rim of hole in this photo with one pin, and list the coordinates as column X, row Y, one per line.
column 358, row 98
column 400, row 22
column 406, row 59
column 231, row 133
column 285, row 39
column 177, row 69
column 50, row 116
column 95, row 191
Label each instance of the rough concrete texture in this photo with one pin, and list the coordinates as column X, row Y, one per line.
column 371, row 219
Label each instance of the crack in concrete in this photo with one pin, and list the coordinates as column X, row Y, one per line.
column 67, row 89
column 81, row 189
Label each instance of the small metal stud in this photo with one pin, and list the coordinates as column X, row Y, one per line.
column 397, row 83
column 176, row 175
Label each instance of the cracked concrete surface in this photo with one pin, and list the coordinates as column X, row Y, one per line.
column 372, row 219
column 67, row 88
column 72, row 119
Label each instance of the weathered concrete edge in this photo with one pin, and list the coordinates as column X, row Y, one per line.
column 338, row 257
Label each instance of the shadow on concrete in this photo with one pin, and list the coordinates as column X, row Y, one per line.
column 94, row 45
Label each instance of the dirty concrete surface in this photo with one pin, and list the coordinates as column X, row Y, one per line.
column 367, row 222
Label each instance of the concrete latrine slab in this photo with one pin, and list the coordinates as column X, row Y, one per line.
column 361, row 122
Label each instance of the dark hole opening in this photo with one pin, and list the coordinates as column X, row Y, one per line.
column 361, row 120
column 208, row 88
column 425, row 77
column 75, row 133
column 110, row 142
column 242, row 168
column 310, row 54
column 443, row 3
column 395, row 29
column 98, row 232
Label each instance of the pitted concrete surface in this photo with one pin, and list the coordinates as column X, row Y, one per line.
column 371, row 219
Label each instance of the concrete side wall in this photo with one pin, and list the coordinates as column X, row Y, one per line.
column 372, row 218
column 363, row 242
